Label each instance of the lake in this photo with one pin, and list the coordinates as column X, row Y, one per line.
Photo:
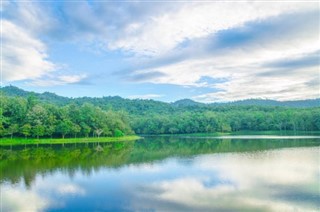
column 166, row 173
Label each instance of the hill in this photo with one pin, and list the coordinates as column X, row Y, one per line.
column 44, row 97
column 122, row 103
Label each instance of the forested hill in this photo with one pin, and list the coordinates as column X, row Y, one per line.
column 44, row 97
column 25, row 113
column 121, row 103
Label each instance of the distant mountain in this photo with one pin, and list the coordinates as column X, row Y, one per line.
column 186, row 103
column 15, row 91
column 135, row 106
column 268, row 102
column 45, row 97
column 145, row 105
column 252, row 102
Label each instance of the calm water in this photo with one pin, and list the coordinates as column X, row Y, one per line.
column 164, row 174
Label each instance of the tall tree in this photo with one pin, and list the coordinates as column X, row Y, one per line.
column 38, row 130
column 13, row 128
column 26, row 130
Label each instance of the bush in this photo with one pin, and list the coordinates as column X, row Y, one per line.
column 118, row 133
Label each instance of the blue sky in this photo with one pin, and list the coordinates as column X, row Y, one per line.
column 208, row 51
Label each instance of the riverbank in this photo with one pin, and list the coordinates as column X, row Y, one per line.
column 25, row 141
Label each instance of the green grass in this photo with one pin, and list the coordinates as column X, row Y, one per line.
column 19, row 141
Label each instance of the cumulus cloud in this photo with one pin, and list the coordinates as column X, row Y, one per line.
column 247, row 44
column 147, row 28
column 164, row 31
column 32, row 16
column 24, row 56
column 251, row 58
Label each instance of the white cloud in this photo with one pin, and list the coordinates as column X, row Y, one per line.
column 145, row 96
column 176, row 43
column 146, row 28
column 163, row 32
column 244, row 63
column 51, row 80
column 34, row 17
column 24, row 56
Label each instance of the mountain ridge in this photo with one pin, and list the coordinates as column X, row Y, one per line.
column 61, row 100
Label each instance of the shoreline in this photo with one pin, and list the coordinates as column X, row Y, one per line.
column 26, row 141
column 216, row 135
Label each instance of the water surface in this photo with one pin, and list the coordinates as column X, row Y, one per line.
column 164, row 174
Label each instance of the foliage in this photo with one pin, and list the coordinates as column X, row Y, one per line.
column 118, row 133
column 114, row 116
column 28, row 116
column 26, row 130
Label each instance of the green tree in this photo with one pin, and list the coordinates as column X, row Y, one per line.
column 14, row 128
column 37, row 115
column 38, row 131
column 32, row 100
column 75, row 129
column 26, row 130
column 64, row 127
column 2, row 130
column 49, row 130
column 106, row 131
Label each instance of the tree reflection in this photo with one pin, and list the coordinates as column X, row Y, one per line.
column 23, row 163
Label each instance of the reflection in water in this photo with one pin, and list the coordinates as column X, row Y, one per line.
column 276, row 181
column 163, row 174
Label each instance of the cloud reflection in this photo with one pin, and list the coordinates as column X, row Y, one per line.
column 271, row 180
column 280, row 180
column 67, row 189
column 43, row 195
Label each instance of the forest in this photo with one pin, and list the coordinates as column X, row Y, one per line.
column 29, row 115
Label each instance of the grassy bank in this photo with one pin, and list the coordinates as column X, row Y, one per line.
column 19, row 141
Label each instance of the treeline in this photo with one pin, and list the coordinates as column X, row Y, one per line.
column 231, row 119
column 83, row 117
column 29, row 117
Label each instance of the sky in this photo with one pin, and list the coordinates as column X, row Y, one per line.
column 208, row 51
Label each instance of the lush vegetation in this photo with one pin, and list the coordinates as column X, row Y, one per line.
column 27, row 117
column 228, row 119
column 26, row 114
